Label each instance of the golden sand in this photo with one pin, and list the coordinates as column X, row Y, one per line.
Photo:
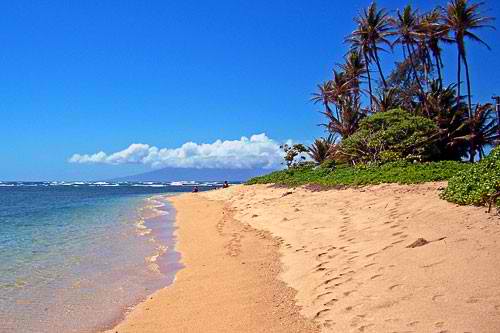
column 386, row 258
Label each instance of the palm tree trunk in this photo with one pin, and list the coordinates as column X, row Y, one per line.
column 459, row 74
column 410, row 56
column 469, row 96
column 369, row 81
column 438, row 65
column 377, row 60
column 472, row 153
column 469, row 101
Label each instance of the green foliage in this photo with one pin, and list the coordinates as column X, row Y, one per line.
column 390, row 136
column 477, row 184
column 402, row 172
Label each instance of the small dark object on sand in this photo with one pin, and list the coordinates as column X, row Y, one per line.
column 493, row 200
column 419, row 242
column 286, row 193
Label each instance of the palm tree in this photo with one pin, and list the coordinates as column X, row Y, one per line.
column 346, row 122
column 387, row 100
column 323, row 95
column 482, row 130
column 450, row 119
column 322, row 149
column 341, row 86
column 354, row 69
column 433, row 32
column 405, row 25
column 463, row 18
column 373, row 30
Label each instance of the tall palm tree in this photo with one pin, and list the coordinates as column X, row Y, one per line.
column 463, row 19
column 433, row 32
column 373, row 30
column 405, row 25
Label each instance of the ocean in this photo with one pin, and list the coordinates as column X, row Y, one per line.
column 74, row 257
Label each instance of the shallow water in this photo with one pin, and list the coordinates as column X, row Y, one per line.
column 73, row 258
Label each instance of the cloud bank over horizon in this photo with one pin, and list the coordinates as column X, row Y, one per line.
column 258, row 151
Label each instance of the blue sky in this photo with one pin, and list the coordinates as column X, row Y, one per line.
column 89, row 76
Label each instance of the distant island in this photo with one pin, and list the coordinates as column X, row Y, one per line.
column 179, row 174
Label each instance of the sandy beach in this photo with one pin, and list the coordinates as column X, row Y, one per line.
column 386, row 258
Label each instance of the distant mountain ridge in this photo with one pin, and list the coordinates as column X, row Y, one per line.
column 186, row 174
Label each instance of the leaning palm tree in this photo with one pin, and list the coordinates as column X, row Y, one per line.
column 323, row 95
column 373, row 30
column 463, row 19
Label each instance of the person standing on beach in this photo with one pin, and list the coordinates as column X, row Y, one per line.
column 226, row 185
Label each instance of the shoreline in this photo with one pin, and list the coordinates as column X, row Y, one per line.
column 157, row 221
column 229, row 283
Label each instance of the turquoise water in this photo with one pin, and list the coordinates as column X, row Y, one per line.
column 74, row 258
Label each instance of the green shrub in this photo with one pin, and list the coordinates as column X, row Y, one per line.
column 477, row 184
column 402, row 172
column 390, row 136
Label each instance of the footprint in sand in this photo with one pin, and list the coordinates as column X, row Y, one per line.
column 331, row 302
column 321, row 313
column 375, row 276
column 364, row 327
column 437, row 297
column 320, row 296
column 318, row 257
column 439, row 324
column 395, row 286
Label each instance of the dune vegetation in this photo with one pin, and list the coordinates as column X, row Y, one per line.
column 407, row 126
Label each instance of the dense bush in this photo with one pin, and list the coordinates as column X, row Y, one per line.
column 390, row 136
column 477, row 184
column 397, row 172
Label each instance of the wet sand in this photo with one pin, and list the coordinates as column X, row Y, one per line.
column 229, row 283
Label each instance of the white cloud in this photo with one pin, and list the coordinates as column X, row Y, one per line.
column 258, row 151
